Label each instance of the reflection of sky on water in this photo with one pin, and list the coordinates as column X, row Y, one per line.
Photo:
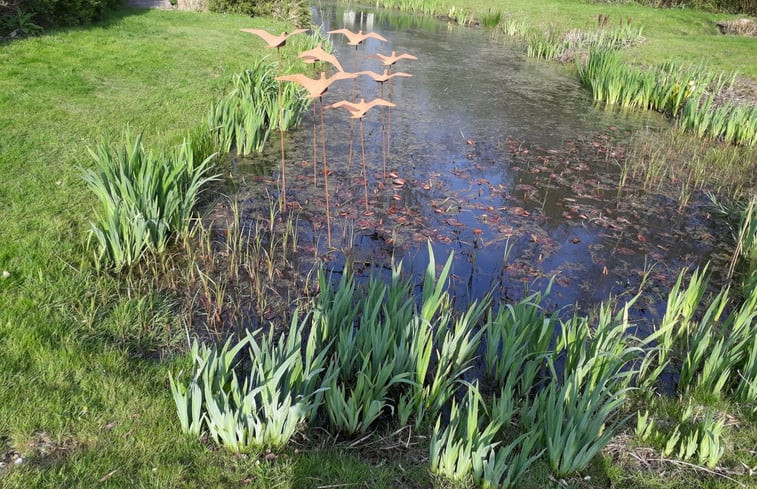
column 503, row 156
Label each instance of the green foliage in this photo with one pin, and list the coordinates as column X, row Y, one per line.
column 18, row 23
column 467, row 439
column 145, row 198
column 517, row 341
column 245, row 116
column 713, row 357
column 294, row 11
column 36, row 14
column 578, row 416
column 491, row 19
column 682, row 92
column 551, row 45
column 281, row 389
column 729, row 6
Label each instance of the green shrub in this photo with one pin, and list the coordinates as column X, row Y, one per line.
column 294, row 11
column 50, row 13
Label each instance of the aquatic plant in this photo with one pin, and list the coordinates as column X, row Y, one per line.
column 466, row 438
column 246, row 115
column 278, row 392
column 145, row 198
column 518, row 339
column 577, row 411
column 682, row 92
column 491, row 19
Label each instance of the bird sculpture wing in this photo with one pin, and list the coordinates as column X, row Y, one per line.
column 294, row 33
column 375, row 76
column 344, row 32
column 342, row 75
column 318, row 54
column 399, row 73
column 406, row 56
column 379, row 101
column 373, row 35
column 270, row 39
column 343, row 103
column 297, row 78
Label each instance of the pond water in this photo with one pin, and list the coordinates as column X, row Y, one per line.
column 502, row 159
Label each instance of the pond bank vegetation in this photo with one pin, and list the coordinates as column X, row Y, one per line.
column 382, row 373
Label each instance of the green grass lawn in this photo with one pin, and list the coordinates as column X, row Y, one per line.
column 83, row 391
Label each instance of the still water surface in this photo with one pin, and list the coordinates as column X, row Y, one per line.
column 500, row 159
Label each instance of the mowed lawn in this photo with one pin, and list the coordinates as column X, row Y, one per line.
column 83, row 389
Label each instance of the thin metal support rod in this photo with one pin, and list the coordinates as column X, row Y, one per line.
column 325, row 175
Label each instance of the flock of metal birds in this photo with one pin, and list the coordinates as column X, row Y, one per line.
column 317, row 87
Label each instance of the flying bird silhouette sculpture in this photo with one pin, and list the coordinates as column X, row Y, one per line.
column 384, row 77
column 277, row 42
column 316, row 87
column 393, row 58
column 271, row 40
column 318, row 54
column 381, row 79
column 358, row 111
column 357, row 38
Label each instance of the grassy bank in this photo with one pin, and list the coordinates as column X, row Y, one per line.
column 83, row 397
column 680, row 34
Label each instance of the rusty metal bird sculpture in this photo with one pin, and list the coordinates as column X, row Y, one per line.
column 271, row 40
column 277, row 42
column 381, row 79
column 393, row 58
column 357, row 38
column 358, row 111
column 316, row 87
column 390, row 61
column 384, row 77
column 313, row 56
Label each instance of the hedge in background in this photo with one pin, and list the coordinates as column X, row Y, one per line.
column 727, row 6
column 294, row 11
column 49, row 13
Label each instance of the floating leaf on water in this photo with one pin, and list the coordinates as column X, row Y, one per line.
column 576, row 240
column 477, row 231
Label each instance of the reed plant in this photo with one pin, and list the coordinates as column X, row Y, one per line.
column 578, row 411
column 518, row 340
column 245, row 117
column 686, row 93
column 281, row 388
column 491, row 19
column 577, row 418
column 466, row 440
column 395, row 357
column 145, row 197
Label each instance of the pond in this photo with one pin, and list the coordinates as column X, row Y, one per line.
column 500, row 159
